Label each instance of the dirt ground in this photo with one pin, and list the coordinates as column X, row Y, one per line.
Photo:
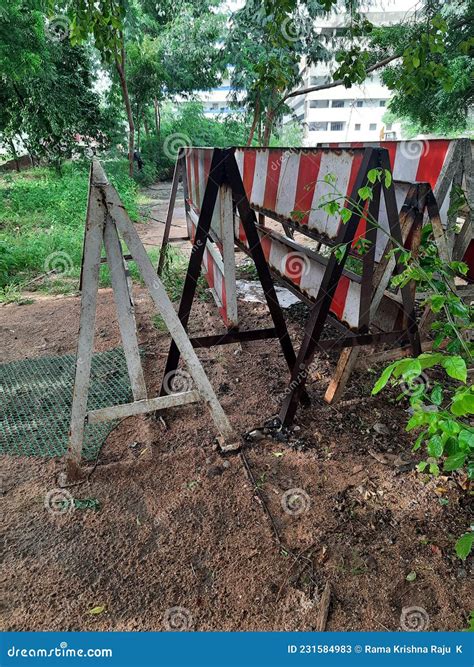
column 181, row 538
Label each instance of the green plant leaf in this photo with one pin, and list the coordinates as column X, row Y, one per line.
column 411, row 576
column 345, row 214
column 464, row 544
column 383, row 379
column 95, row 611
column 435, row 446
column 455, row 367
column 454, row 462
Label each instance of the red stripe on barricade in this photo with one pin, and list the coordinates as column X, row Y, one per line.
column 188, row 170
column 196, row 178
column 339, row 300
column 307, row 176
column 242, row 236
column 432, row 160
column 207, row 164
column 223, row 310
column 391, row 146
column 249, row 171
column 273, row 178
column 210, row 270
column 266, row 244
column 356, row 162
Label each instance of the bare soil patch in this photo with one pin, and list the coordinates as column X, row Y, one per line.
column 181, row 525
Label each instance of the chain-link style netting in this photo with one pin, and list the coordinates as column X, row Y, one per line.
column 36, row 398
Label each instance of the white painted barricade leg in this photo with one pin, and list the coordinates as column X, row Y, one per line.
column 165, row 307
column 125, row 310
column 96, row 214
column 105, row 213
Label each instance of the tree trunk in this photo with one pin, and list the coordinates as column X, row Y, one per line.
column 256, row 115
column 120, row 65
column 157, row 117
column 15, row 155
column 146, row 126
column 268, row 126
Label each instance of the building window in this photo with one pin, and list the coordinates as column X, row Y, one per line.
column 318, row 104
column 382, row 103
column 318, row 127
column 360, row 103
column 337, row 127
column 388, row 126
column 390, row 135
column 298, row 105
column 338, row 104
column 300, row 116
column 318, row 80
column 357, row 126
column 373, row 126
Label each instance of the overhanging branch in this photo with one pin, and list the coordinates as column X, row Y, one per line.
column 340, row 82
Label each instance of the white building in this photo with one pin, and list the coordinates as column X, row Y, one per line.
column 347, row 114
column 217, row 101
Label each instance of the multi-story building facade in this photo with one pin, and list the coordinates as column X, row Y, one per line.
column 347, row 114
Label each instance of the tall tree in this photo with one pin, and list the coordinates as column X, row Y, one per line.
column 47, row 87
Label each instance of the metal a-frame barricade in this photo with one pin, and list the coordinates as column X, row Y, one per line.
column 106, row 219
column 331, row 274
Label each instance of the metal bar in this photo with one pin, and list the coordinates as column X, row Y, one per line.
column 368, row 260
column 364, row 339
column 320, row 310
column 249, row 222
column 125, row 310
column 228, row 253
column 233, row 337
column 169, row 217
column 142, row 407
column 195, row 261
column 95, row 222
column 348, row 359
column 395, row 232
column 171, row 319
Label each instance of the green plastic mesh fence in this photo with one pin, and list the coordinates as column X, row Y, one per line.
column 36, row 398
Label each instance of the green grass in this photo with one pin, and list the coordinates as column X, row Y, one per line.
column 42, row 218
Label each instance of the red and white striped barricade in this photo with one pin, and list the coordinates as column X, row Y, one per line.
column 447, row 165
column 288, row 185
